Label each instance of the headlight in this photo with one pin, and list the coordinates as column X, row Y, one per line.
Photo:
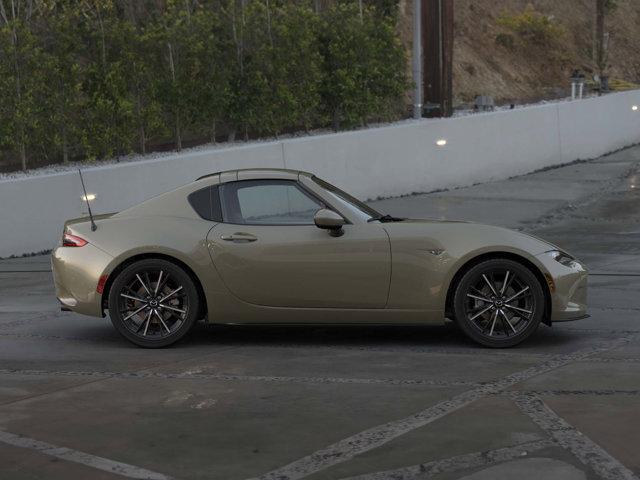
column 562, row 257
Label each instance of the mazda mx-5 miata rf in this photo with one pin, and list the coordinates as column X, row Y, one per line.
column 266, row 246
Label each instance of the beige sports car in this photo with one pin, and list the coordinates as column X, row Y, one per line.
column 285, row 247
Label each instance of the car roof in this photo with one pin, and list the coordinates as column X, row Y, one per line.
column 256, row 174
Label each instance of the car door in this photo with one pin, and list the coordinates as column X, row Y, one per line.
column 269, row 252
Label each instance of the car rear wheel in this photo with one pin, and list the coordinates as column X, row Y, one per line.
column 153, row 303
column 499, row 303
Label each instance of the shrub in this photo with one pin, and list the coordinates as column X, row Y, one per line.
column 610, row 6
column 532, row 27
column 505, row 40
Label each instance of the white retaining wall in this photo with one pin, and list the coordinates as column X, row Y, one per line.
column 386, row 161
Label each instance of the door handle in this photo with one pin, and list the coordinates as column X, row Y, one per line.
column 239, row 237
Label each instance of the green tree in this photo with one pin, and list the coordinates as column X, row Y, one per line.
column 293, row 68
column 139, row 73
column 60, row 37
column 248, row 87
column 212, row 88
column 364, row 65
column 180, row 64
column 100, row 78
column 109, row 123
column 22, row 80
column 273, row 75
column 276, row 74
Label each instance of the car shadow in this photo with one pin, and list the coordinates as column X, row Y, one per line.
column 446, row 336
column 324, row 335
column 401, row 337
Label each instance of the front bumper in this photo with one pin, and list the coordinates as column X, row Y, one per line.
column 568, row 285
column 76, row 271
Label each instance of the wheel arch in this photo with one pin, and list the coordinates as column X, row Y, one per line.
column 202, row 310
column 540, row 276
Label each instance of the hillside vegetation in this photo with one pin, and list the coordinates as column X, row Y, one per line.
column 85, row 79
column 520, row 51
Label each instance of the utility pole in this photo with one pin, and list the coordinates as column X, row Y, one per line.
column 599, row 44
column 437, row 46
column 417, row 58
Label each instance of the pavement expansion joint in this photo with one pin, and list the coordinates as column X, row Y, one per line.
column 587, row 451
column 459, row 462
column 612, row 360
column 379, row 435
column 233, row 377
column 585, row 392
column 83, row 458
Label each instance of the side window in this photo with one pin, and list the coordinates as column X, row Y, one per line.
column 268, row 202
column 206, row 203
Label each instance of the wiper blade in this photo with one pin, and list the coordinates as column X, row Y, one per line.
column 385, row 219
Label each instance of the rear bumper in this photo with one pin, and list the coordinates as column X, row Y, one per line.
column 76, row 271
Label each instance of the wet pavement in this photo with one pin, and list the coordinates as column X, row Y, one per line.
column 78, row 401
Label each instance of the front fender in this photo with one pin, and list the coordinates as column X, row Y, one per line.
column 427, row 255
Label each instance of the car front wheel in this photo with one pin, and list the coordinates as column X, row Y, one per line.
column 499, row 303
column 153, row 303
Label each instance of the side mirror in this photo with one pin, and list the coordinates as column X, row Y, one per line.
column 329, row 220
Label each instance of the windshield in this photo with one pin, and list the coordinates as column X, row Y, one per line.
column 361, row 209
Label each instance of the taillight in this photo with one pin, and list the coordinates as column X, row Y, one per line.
column 69, row 240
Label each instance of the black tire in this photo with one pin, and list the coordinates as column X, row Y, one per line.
column 143, row 308
column 494, row 314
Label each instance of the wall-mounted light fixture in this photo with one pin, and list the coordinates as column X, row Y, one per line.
column 634, row 108
column 89, row 197
column 441, row 142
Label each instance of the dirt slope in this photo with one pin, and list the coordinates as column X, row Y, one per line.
column 528, row 72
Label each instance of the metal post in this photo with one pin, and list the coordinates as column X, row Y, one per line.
column 573, row 90
column 417, row 58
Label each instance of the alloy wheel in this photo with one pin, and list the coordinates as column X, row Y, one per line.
column 500, row 303
column 153, row 304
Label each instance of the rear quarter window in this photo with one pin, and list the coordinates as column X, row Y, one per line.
column 206, row 203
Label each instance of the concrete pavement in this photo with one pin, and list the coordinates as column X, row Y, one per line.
column 77, row 401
